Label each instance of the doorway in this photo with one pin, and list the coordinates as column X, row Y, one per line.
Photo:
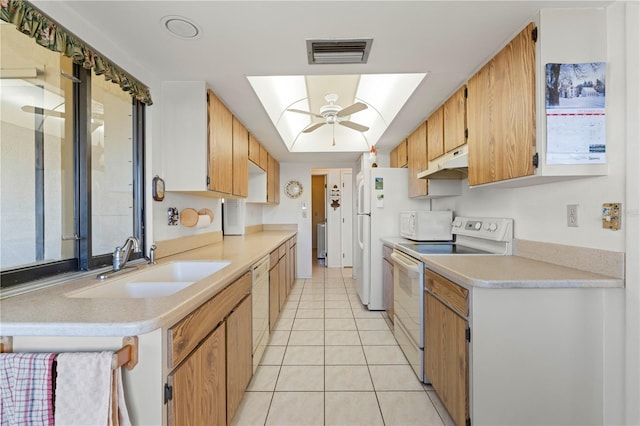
column 318, row 218
column 331, row 206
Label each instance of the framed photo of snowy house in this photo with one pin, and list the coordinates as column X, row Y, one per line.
column 575, row 110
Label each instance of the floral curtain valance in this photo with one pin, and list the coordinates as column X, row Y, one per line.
column 49, row 34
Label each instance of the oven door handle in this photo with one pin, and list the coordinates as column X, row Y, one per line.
column 402, row 261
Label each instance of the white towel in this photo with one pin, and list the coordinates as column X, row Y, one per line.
column 86, row 386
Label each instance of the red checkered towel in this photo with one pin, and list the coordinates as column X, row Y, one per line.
column 26, row 394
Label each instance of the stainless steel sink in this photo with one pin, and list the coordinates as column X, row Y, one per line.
column 158, row 281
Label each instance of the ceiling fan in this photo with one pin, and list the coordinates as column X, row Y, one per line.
column 332, row 114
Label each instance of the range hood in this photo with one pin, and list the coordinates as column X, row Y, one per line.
column 452, row 165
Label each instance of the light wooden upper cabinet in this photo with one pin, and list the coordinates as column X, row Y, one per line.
column 417, row 160
column 240, row 159
column 398, row 156
column 402, row 153
column 220, row 129
column 501, row 114
column 393, row 157
column 455, row 120
column 273, row 180
column 254, row 150
column 264, row 158
column 435, row 134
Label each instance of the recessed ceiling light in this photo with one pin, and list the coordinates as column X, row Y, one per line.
column 182, row 27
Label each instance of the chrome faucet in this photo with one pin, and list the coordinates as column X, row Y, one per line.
column 121, row 257
column 121, row 254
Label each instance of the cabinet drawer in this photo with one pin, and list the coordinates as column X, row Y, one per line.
column 190, row 331
column 455, row 296
column 273, row 259
column 282, row 250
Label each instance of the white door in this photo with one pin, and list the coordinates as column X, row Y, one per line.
column 347, row 219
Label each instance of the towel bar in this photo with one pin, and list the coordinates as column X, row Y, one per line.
column 126, row 356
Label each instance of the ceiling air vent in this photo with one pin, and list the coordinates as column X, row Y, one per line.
column 338, row 51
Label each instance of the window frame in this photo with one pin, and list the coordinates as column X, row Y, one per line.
column 84, row 259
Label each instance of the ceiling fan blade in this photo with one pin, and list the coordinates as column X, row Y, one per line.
column 352, row 109
column 354, row 126
column 313, row 127
column 305, row 112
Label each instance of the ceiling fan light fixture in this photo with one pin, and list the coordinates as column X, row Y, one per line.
column 338, row 51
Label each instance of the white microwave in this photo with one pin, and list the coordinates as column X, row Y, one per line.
column 426, row 225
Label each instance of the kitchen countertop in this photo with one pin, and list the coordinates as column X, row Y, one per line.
column 50, row 312
column 500, row 272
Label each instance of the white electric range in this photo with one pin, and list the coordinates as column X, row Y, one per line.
column 472, row 236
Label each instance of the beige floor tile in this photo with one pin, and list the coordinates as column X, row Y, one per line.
column 379, row 337
column 352, row 409
column 291, row 304
column 336, row 304
column 302, row 324
column 273, row 355
column 279, row 338
column 336, row 298
column 394, row 378
column 338, row 313
column 307, row 338
column 296, row 409
column 344, row 355
column 408, row 408
column 310, row 313
column 300, row 378
column 444, row 414
column 283, row 324
column 384, row 355
column 310, row 297
column 343, row 324
column 372, row 324
column 336, row 290
column 264, row 379
column 253, row 409
column 347, row 378
column 304, row 355
column 311, row 304
column 341, row 338
column 288, row 313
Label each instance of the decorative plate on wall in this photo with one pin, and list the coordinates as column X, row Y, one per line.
column 293, row 189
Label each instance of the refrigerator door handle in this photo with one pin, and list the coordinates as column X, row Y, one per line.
column 360, row 230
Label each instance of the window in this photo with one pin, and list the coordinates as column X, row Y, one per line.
column 71, row 164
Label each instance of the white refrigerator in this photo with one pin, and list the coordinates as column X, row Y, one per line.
column 381, row 194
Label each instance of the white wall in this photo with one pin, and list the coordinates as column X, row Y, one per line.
column 289, row 211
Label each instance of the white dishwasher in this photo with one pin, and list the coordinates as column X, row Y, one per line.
column 260, row 309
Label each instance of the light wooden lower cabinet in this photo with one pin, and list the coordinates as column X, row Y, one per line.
column 199, row 385
column 210, row 354
column 446, row 356
column 239, row 355
column 274, row 294
column 446, row 348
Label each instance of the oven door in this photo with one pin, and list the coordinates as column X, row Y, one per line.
column 408, row 299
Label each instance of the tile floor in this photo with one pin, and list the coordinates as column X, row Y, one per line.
column 332, row 362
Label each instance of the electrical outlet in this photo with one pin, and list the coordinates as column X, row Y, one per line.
column 572, row 215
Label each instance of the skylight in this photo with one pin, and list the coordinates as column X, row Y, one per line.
column 383, row 94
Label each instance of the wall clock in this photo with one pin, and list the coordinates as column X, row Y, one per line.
column 157, row 188
column 293, row 189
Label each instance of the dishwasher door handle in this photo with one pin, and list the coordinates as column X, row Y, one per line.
column 406, row 262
